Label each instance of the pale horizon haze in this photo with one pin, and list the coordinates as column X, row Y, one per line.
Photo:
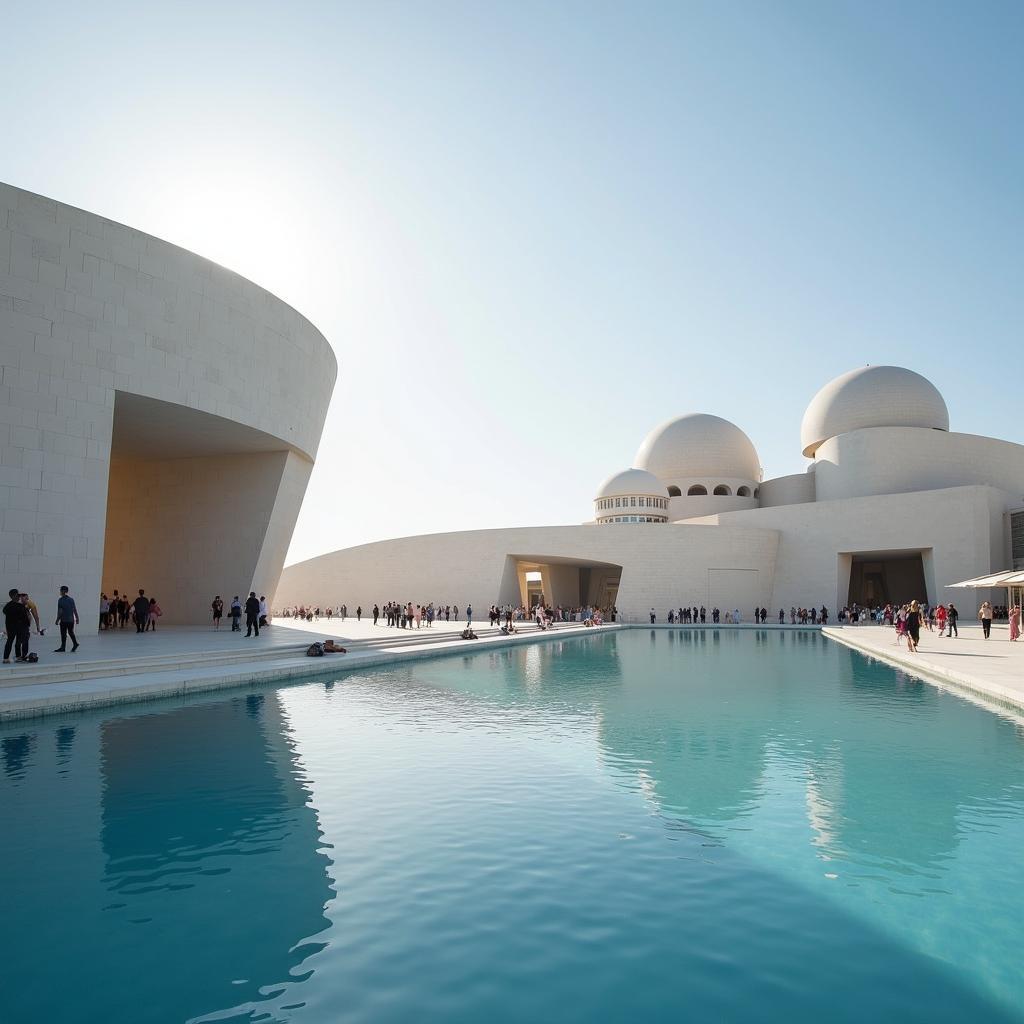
column 533, row 231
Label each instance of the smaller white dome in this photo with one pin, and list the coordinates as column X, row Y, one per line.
column 631, row 481
column 872, row 396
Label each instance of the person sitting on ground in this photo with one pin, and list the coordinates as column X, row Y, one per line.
column 319, row 648
column 508, row 630
column 467, row 634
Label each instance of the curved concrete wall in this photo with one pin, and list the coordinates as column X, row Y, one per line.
column 92, row 311
column 898, row 460
column 787, row 490
column 661, row 565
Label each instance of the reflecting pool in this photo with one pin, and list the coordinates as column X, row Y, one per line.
column 706, row 825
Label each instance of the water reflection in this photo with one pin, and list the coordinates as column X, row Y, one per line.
column 714, row 733
column 208, row 853
column 17, row 753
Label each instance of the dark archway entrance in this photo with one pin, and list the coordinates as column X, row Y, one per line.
column 887, row 579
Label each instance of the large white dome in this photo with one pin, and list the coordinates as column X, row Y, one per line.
column 872, row 396
column 631, row 481
column 699, row 445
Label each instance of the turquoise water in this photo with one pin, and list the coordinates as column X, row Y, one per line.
column 642, row 826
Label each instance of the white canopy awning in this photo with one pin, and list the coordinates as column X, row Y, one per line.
column 1006, row 578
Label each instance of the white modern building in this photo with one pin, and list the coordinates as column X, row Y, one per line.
column 893, row 506
column 159, row 415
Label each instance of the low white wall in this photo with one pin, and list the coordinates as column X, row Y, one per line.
column 663, row 565
column 787, row 490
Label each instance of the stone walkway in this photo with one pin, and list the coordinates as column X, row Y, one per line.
column 123, row 666
column 992, row 668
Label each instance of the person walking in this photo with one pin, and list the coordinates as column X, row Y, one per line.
column 252, row 614
column 154, row 613
column 218, row 611
column 67, row 619
column 140, row 607
column 236, row 615
column 16, row 625
column 1015, row 621
column 264, row 610
column 985, row 614
column 359, row 613
column 913, row 624
column 951, row 618
column 376, row 613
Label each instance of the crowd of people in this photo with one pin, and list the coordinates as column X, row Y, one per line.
column 117, row 612
column 255, row 609
column 408, row 615
column 694, row 615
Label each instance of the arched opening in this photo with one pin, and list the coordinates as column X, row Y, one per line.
column 757, row 492
column 743, row 492
column 722, row 490
column 696, row 489
column 674, row 492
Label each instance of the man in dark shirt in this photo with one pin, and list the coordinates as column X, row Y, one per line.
column 252, row 614
column 141, row 608
column 16, row 624
column 67, row 619
column 951, row 616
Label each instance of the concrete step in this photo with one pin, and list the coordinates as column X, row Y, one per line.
column 53, row 670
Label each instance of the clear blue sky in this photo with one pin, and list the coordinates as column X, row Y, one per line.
column 532, row 231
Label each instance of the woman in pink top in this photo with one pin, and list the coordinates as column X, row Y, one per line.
column 154, row 614
column 1015, row 622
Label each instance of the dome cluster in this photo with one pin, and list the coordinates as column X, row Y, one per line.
column 700, row 464
column 691, row 465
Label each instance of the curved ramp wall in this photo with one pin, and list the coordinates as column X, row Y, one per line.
column 159, row 415
column 659, row 564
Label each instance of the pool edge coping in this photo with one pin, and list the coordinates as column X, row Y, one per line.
column 991, row 695
column 99, row 692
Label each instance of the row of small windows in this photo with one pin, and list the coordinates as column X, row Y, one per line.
column 633, row 519
column 722, row 490
column 633, row 502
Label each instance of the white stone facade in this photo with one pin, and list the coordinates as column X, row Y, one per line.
column 893, row 507
column 134, row 373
